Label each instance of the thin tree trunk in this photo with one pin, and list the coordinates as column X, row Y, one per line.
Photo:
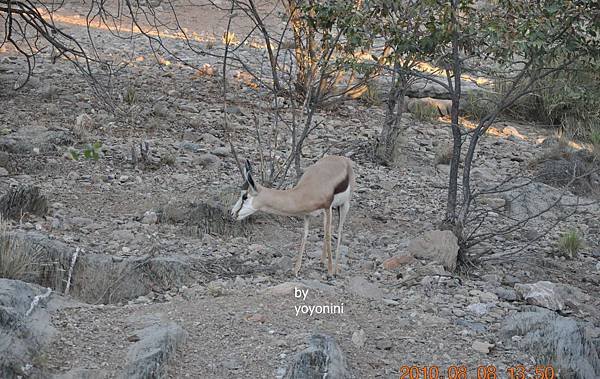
column 451, row 215
column 391, row 133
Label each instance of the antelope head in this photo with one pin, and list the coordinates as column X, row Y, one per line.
column 243, row 207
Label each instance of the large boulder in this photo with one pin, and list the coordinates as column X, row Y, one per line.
column 24, row 330
column 437, row 245
column 554, row 296
column 322, row 359
column 571, row 347
column 148, row 358
column 26, row 139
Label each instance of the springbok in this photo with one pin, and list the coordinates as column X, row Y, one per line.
column 326, row 185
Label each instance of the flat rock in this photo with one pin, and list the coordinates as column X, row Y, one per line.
column 555, row 296
column 544, row 294
column 361, row 287
column 284, row 289
column 482, row 347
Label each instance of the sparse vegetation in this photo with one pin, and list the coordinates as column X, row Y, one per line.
column 90, row 151
column 595, row 141
column 443, row 153
column 478, row 105
column 424, row 111
column 130, row 96
column 371, row 94
column 168, row 160
column 570, row 243
column 21, row 200
column 568, row 99
column 19, row 258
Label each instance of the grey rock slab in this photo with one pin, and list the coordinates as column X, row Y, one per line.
column 22, row 335
column 573, row 347
column 506, row 293
column 83, row 373
column 148, row 357
column 322, row 359
column 554, row 296
column 28, row 138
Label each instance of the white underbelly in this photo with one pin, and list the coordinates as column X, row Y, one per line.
column 341, row 198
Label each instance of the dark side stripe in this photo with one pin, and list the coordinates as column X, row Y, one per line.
column 343, row 185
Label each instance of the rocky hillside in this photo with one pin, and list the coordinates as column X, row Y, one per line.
column 123, row 215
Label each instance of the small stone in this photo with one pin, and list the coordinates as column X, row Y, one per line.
column 390, row 302
column 458, row 312
column 141, row 300
column 478, row 309
column 161, row 109
column 232, row 364
column 239, row 281
column 487, row 297
column 210, row 139
column 482, row 347
column 397, row 261
column 359, row 286
column 3, row 171
column 84, row 122
column 491, row 278
column 256, row 318
column 286, row 288
column 437, row 245
column 384, row 344
column 150, row 218
column 359, row 338
column 506, row 293
column 123, row 235
column 221, row 151
column 209, row 160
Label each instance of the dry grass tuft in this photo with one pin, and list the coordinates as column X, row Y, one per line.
column 19, row 258
column 21, row 200
column 570, row 243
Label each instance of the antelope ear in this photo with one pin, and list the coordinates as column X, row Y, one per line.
column 252, row 187
column 248, row 176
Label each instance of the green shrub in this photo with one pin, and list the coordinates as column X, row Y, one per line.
column 568, row 99
column 570, row 243
column 91, row 151
column 479, row 104
column 595, row 140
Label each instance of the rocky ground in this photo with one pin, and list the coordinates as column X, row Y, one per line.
column 164, row 282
